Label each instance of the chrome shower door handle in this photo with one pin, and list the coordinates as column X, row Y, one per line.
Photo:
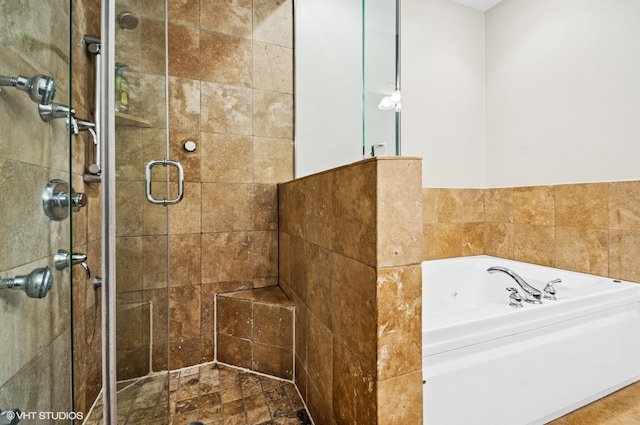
column 147, row 174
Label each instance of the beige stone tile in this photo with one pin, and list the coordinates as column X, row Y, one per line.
column 399, row 336
column 184, row 12
column 317, row 199
column 533, row 205
column 234, row 317
column 154, row 260
column 473, row 238
column 624, row 251
column 184, row 312
column 354, row 308
column 147, row 98
column 272, row 67
column 227, row 158
column 129, row 153
column 129, row 264
column 320, row 407
column 184, row 259
column 156, row 219
column 191, row 161
column 290, row 203
column 499, row 205
column 235, row 351
column 273, row 22
column 429, row 205
column 225, row 59
column 152, row 56
column 227, row 207
column 399, row 212
column 226, row 257
column 499, row 239
column 299, row 266
column 320, row 363
column 184, row 51
column 184, row 352
column 460, row 205
column 265, row 207
column 354, row 212
column 273, row 160
column 185, row 217
column 284, row 260
column 400, row 400
column 184, row 104
column 272, row 360
column 351, row 376
column 534, row 244
column 582, row 250
column 129, row 217
column 319, row 277
column 624, row 208
column 273, row 325
column 429, row 244
column 272, row 114
column 265, row 254
column 226, row 109
column 448, row 240
column 582, row 205
column 229, row 17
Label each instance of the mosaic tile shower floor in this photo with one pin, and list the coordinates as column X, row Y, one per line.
column 212, row 394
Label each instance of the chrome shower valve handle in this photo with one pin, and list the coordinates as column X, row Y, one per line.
column 63, row 259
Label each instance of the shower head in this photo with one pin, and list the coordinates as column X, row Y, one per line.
column 41, row 88
column 127, row 20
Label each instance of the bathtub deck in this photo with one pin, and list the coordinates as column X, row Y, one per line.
column 619, row 408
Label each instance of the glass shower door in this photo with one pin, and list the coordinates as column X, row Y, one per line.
column 35, row 183
column 142, row 293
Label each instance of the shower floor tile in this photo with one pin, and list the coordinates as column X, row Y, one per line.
column 213, row 394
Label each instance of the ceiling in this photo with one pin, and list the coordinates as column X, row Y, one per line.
column 482, row 5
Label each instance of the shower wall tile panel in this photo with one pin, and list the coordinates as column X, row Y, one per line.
column 350, row 248
column 223, row 235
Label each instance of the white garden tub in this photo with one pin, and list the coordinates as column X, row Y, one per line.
column 485, row 362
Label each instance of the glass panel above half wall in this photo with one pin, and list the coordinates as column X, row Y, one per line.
column 381, row 76
column 346, row 63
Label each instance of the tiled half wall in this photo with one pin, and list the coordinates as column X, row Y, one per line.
column 589, row 227
column 350, row 252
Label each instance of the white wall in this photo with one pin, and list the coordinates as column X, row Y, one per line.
column 443, row 91
column 562, row 91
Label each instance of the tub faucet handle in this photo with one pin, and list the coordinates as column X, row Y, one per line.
column 515, row 300
column 550, row 291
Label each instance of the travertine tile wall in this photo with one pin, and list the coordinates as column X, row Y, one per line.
column 350, row 252
column 86, row 232
column 588, row 227
column 230, row 88
column 35, row 370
